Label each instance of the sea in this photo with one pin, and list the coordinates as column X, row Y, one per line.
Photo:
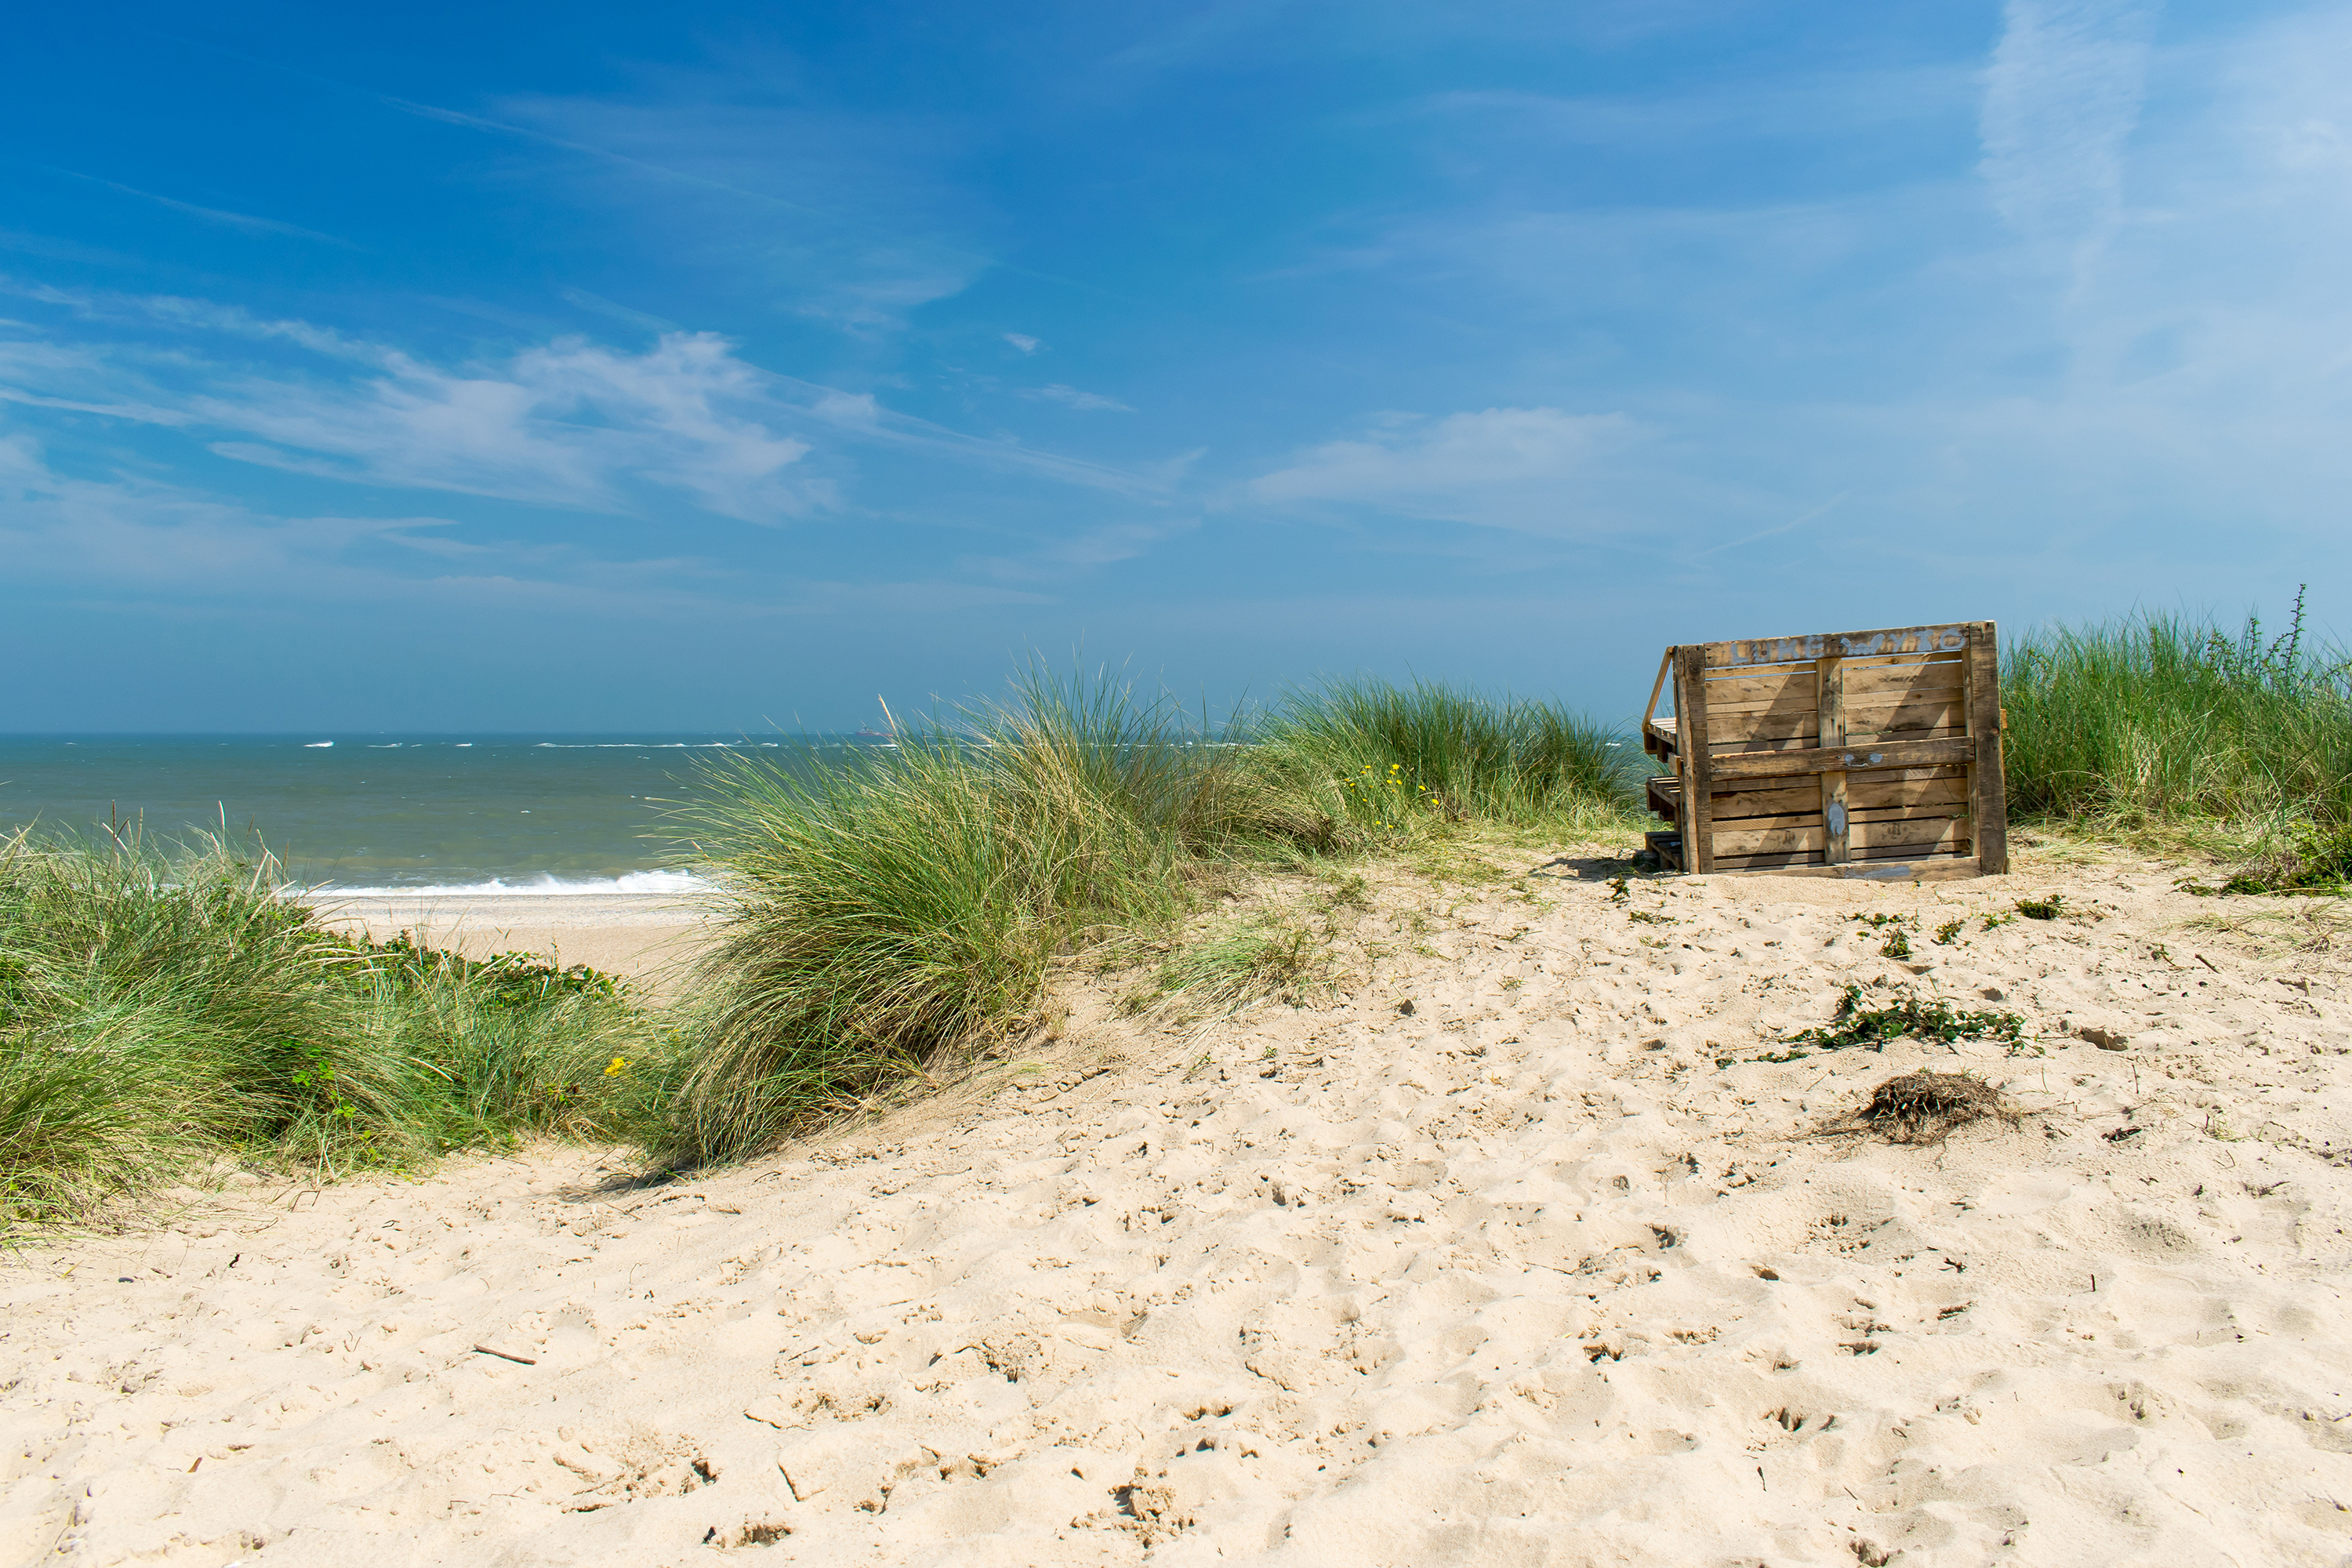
column 397, row 814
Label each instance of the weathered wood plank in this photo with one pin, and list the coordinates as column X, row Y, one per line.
column 1837, row 837
column 1916, row 851
column 1835, row 645
column 1698, row 796
column 1942, row 710
column 1871, row 790
column 1913, row 834
column 1649, row 714
column 1769, row 841
column 1737, row 691
column 1945, row 812
column 1857, row 819
column 1669, row 848
column 1938, row 868
column 1865, row 790
column 1665, row 796
column 1765, row 862
column 1887, row 682
column 1795, row 704
column 1798, row 800
column 1735, row 730
column 1768, row 824
column 1984, row 729
column 1822, row 760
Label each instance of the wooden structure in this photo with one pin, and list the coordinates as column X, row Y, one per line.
column 1872, row 754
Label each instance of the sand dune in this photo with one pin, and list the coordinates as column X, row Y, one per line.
column 1519, row 1276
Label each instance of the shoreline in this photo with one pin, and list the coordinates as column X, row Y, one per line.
column 646, row 938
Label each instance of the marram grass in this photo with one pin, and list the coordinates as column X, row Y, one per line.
column 892, row 906
column 161, row 1012
column 2160, row 726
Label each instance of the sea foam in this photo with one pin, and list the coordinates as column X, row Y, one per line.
column 543, row 886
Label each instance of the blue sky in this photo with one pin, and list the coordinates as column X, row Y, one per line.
column 601, row 366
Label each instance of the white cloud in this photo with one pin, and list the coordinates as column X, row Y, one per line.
column 856, row 219
column 1024, row 341
column 1505, row 467
column 130, row 540
column 571, row 423
column 566, row 425
column 1057, row 393
column 2061, row 99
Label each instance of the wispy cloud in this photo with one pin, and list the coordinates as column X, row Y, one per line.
column 1080, row 553
column 1024, row 341
column 2061, row 99
column 596, row 305
column 1499, row 467
column 245, row 221
column 849, row 216
column 1083, row 401
column 568, row 423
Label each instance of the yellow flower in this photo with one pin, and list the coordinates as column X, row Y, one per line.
column 618, row 1068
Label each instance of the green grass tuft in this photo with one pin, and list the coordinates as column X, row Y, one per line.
column 1907, row 1018
column 160, row 1012
column 2164, row 727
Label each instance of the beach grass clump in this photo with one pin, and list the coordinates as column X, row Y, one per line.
column 884, row 905
column 885, row 908
column 164, row 1010
column 1230, row 964
column 1387, row 761
column 2164, row 724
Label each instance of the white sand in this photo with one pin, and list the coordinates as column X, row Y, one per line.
column 644, row 936
column 1520, row 1278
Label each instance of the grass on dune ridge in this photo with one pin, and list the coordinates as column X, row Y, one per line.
column 898, row 903
column 163, row 1010
column 2164, row 727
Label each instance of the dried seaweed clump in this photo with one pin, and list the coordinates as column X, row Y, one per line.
column 1925, row 1107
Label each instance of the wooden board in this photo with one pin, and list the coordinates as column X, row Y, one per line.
column 1836, row 644
column 1798, row 689
column 1911, row 836
column 1866, row 792
column 1889, row 754
column 1906, row 710
column 1879, row 682
column 1698, row 799
column 1938, row 869
column 1989, row 779
column 1813, row 818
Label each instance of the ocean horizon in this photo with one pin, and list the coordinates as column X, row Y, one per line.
column 395, row 813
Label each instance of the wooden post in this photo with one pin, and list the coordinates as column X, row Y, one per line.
column 1988, row 782
column 1698, row 778
column 1829, row 701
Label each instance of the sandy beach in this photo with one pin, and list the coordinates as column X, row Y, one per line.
column 1515, row 1250
column 644, row 936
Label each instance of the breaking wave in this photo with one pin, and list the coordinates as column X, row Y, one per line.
column 543, row 886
